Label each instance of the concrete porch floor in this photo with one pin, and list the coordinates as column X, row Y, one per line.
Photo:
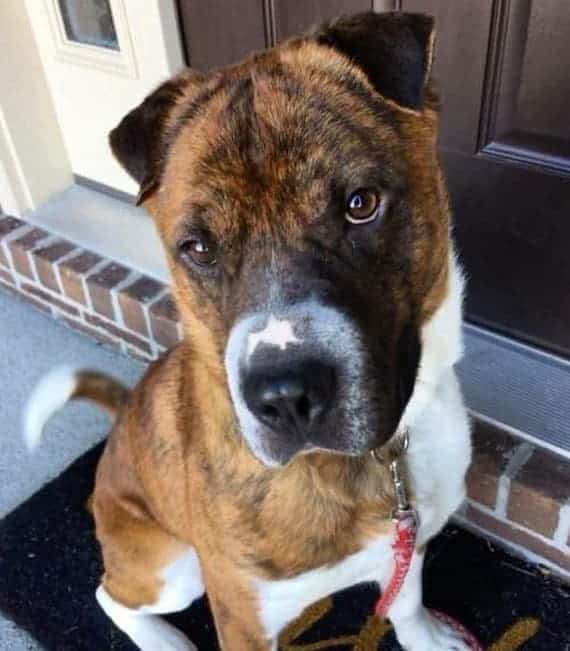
column 32, row 343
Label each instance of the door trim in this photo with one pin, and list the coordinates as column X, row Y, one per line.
column 121, row 62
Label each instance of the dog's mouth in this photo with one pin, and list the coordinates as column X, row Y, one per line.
column 299, row 384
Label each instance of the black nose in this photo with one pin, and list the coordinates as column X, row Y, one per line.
column 294, row 398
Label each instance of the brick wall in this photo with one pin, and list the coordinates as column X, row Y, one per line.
column 517, row 494
column 87, row 291
column 520, row 494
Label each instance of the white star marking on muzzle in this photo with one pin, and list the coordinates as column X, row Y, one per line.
column 276, row 333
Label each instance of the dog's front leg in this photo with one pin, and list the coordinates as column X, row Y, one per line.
column 237, row 622
column 416, row 629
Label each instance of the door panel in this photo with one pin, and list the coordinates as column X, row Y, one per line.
column 513, row 233
column 525, row 115
column 293, row 17
column 218, row 32
column 543, row 101
column 462, row 36
column 505, row 146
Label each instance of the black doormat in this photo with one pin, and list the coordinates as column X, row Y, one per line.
column 50, row 566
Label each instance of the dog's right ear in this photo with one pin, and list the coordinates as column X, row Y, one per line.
column 140, row 141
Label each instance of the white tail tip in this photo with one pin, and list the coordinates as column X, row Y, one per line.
column 48, row 396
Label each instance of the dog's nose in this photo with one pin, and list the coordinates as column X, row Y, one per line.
column 292, row 398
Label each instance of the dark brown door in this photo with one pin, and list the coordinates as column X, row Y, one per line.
column 218, row 32
column 503, row 67
column 504, row 70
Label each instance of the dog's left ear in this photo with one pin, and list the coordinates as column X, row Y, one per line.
column 394, row 49
column 140, row 141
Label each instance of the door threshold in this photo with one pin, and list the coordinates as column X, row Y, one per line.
column 105, row 225
column 518, row 389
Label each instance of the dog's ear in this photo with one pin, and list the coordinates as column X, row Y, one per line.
column 394, row 49
column 140, row 141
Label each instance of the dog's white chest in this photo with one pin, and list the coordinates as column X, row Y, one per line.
column 282, row 601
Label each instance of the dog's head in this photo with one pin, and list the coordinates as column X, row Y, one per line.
column 300, row 201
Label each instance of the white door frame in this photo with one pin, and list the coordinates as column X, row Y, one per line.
column 34, row 164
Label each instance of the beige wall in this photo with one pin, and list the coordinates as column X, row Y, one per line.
column 33, row 160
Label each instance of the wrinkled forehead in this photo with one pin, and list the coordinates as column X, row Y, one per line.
column 280, row 134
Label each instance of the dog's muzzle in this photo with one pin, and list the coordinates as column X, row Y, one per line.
column 294, row 374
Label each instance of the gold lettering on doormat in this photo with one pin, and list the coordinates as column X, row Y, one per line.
column 375, row 629
column 517, row 635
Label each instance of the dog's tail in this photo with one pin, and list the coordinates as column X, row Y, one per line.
column 59, row 386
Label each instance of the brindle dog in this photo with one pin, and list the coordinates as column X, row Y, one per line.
column 301, row 204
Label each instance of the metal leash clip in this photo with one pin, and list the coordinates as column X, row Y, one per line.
column 403, row 509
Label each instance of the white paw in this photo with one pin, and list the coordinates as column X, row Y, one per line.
column 148, row 631
column 154, row 634
column 173, row 640
column 426, row 633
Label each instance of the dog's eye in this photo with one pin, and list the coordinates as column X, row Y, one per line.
column 199, row 250
column 363, row 206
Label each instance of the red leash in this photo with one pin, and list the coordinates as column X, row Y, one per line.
column 467, row 636
column 404, row 545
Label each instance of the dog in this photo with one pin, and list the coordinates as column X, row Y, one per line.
column 307, row 228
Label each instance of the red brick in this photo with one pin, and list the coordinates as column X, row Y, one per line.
column 44, row 259
column 7, row 277
column 39, row 293
column 164, row 322
column 119, row 333
column 19, row 250
column 510, row 534
column 132, row 299
column 165, row 308
column 539, row 490
column 492, row 449
column 73, row 286
column 72, row 272
column 100, row 284
column 9, row 224
column 22, row 262
column 82, row 263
